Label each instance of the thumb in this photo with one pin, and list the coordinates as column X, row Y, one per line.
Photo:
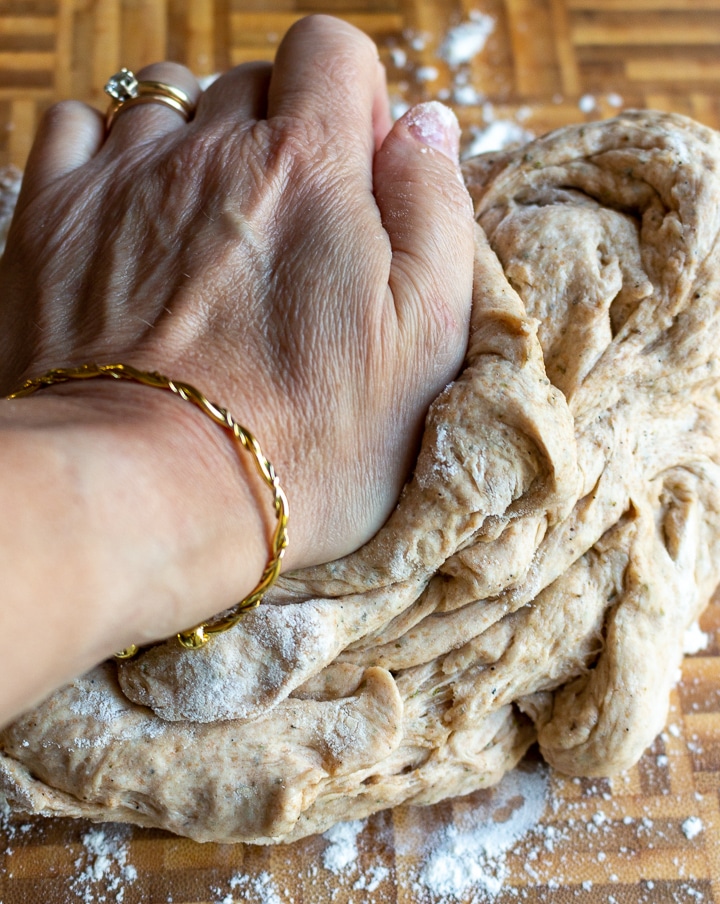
column 427, row 214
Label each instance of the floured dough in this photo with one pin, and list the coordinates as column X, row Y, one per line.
column 560, row 532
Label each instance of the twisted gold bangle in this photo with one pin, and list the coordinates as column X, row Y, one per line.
column 200, row 634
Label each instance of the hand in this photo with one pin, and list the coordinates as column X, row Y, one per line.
column 289, row 252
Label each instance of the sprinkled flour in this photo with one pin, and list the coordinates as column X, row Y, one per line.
column 371, row 881
column 466, row 40
column 695, row 639
column 499, row 134
column 470, row 853
column 256, row 890
column 692, row 827
column 342, row 849
column 103, row 870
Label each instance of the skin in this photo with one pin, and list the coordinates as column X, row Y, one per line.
column 290, row 253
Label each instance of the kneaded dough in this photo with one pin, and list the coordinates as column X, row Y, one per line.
column 560, row 532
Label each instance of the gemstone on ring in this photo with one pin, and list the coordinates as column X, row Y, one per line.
column 122, row 86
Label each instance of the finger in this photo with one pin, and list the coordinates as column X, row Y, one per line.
column 70, row 134
column 326, row 76
column 241, row 92
column 134, row 124
column 427, row 214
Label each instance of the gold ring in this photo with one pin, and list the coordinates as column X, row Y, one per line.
column 126, row 91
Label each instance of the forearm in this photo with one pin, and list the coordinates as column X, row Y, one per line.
column 123, row 518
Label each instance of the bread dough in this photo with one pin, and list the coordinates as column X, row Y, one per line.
column 559, row 534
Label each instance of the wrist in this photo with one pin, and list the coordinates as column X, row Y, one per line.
column 159, row 519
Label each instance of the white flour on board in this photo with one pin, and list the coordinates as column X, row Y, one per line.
column 465, row 41
column 342, row 849
column 466, row 856
column 257, row 890
column 103, row 870
column 470, row 853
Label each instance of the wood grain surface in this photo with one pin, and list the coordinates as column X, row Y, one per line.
column 649, row 836
column 542, row 57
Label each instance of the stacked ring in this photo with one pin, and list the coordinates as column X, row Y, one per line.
column 126, row 91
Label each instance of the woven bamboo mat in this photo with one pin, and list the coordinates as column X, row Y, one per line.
column 649, row 836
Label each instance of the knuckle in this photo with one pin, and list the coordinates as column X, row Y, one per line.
column 319, row 26
column 61, row 111
column 301, row 153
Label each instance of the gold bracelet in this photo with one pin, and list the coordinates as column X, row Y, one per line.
column 200, row 634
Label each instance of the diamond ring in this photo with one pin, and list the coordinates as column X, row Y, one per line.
column 126, row 91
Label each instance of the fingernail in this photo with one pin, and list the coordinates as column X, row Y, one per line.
column 436, row 126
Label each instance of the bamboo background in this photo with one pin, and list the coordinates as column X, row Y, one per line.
column 545, row 64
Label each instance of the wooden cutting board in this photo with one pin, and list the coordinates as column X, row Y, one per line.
column 541, row 59
column 649, row 836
